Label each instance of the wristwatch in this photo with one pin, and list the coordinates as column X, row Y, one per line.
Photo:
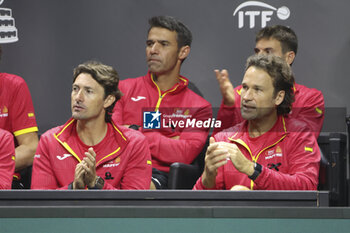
column 257, row 171
column 135, row 127
column 99, row 183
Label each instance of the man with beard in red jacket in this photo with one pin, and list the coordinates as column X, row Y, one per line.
column 309, row 102
column 90, row 151
column 172, row 131
column 267, row 151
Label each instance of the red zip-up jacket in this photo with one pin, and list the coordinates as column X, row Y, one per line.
column 288, row 153
column 142, row 94
column 308, row 107
column 122, row 158
column 7, row 159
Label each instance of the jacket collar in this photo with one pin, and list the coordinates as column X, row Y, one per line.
column 178, row 87
column 296, row 88
column 273, row 136
column 279, row 129
column 70, row 143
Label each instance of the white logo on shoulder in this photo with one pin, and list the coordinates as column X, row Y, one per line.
column 256, row 13
column 138, row 98
column 64, row 156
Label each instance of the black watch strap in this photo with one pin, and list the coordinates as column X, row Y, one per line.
column 257, row 171
column 99, row 183
column 135, row 127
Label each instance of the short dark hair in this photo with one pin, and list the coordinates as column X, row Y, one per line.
column 106, row 76
column 285, row 35
column 184, row 35
column 282, row 78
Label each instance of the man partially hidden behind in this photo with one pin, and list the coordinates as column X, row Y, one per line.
column 17, row 116
column 280, row 41
column 267, row 151
column 90, row 150
column 164, row 91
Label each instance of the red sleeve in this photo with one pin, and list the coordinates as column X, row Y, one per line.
column 219, row 180
column 312, row 111
column 184, row 150
column 230, row 115
column 303, row 161
column 137, row 174
column 199, row 185
column 42, row 173
column 22, row 115
column 7, row 158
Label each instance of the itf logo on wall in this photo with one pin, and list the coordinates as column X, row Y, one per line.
column 8, row 31
column 253, row 11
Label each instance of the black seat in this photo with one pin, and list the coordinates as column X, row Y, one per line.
column 333, row 167
column 184, row 176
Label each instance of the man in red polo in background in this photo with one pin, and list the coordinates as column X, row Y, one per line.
column 17, row 116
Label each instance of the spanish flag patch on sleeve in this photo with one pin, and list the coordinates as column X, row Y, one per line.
column 149, row 162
